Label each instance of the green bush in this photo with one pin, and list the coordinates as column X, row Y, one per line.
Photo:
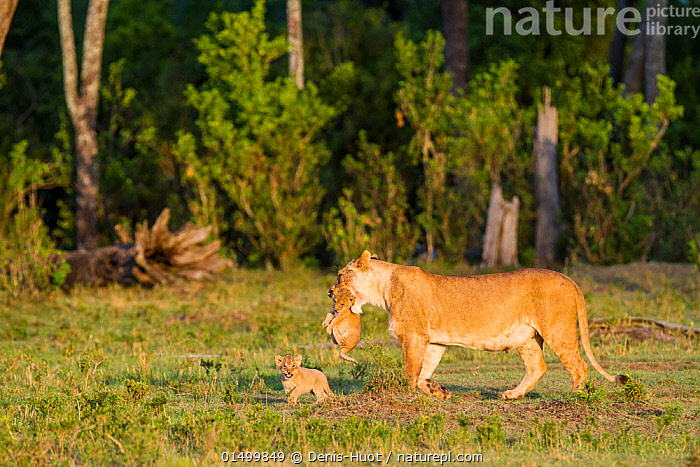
column 372, row 214
column 28, row 260
column 257, row 148
column 607, row 143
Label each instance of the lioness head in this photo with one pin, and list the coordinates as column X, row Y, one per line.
column 288, row 364
column 350, row 283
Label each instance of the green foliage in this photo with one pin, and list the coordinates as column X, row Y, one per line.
column 634, row 390
column 258, row 139
column 27, row 254
column 607, row 142
column 591, row 393
column 424, row 100
column 135, row 390
column 372, row 214
column 491, row 434
column 384, row 373
column 486, row 149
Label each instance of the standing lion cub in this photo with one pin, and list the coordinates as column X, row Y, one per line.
column 298, row 380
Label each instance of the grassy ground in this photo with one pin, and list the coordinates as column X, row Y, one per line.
column 178, row 377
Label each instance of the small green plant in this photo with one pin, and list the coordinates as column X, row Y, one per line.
column 385, row 373
column 591, row 393
column 158, row 402
column 694, row 252
column 135, row 390
column 360, row 371
column 231, row 394
column 634, row 390
column 548, row 433
column 669, row 416
column 491, row 434
column 209, row 365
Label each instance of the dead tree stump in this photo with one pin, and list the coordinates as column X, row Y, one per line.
column 155, row 257
column 501, row 237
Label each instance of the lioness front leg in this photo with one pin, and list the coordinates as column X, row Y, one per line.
column 420, row 360
column 431, row 359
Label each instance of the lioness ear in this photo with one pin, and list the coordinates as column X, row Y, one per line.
column 278, row 360
column 297, row 358
column 363, row 261
column 374, row 256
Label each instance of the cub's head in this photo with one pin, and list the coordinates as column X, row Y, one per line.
column 343, row 299
column 351, row 282
column 288, row 364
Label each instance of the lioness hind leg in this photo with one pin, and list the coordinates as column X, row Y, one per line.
column 567, row 351
column 535, row 368
column 431, row 359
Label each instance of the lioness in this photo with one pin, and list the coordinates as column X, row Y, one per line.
column 494, row 312
column 298, row 380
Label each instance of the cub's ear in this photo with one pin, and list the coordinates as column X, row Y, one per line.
column 297, row 358
column 278, row 360
column 374, row 256
column 363, row 261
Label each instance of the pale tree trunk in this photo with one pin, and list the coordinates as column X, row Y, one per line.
column 501, row 237
column 492, row 237
column 509, row 233
column 82, row 105
column 294, row 35
column 634, row 72
column 456, row 25
column 546, row 182
column 616, row 58
column 655, row 63
column 7, row 11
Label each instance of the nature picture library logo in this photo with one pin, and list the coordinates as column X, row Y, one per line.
column 653, row 21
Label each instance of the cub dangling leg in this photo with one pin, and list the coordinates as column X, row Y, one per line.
column 535, row 368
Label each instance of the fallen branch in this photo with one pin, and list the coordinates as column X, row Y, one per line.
column 637, row 319
column 155, row 257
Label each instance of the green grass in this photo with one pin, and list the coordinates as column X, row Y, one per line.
column 176, row 377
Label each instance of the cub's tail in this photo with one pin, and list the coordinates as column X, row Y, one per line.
column 583, row 326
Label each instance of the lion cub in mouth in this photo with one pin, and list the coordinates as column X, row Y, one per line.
column 298, row 380
column 344, row 326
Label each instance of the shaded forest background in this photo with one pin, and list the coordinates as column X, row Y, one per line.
column 197, row 114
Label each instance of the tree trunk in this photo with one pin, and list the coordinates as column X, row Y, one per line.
column 546, row 183
column 501, row 237
column 655, row 63
column 7, row 11
column 492, row 237
column 82, row 105
column 155, row 257
column 294, row 35
column 635, row 64
column 509, row 233
column 616, row 58
column 456, row 26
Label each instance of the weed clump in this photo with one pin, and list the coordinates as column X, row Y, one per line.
column 383, row 374
column 591, row 393
column 634, row 390
column 491, row 434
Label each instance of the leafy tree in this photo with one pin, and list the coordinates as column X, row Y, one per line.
column 372, row 214
column 608, row 142
column 258, row 139
column 424, row 100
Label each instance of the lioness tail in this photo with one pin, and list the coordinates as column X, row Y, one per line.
column 583, row 326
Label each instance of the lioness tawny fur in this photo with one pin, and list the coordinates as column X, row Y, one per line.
column 298, row 380
column 495, row 312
